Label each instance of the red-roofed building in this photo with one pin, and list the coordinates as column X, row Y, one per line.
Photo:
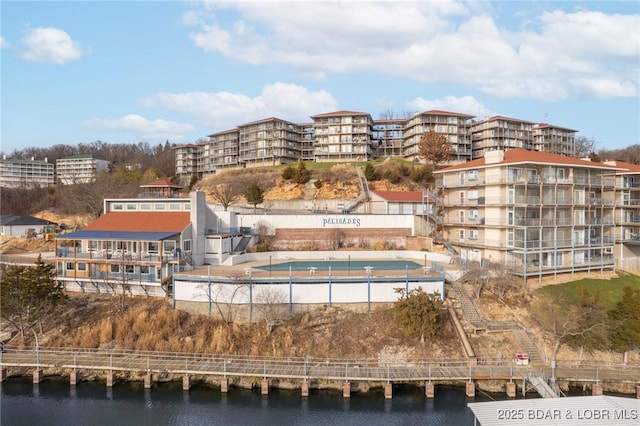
column 538, row 212
column 138, row 244
column 160, row 188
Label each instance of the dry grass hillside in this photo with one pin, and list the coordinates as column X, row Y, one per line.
column 99, row 321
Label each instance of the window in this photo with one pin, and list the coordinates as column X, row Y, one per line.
column 82, row 266
column 117, row 207
column 132, row 207
column 70, row 266
column 473, row 214
column 472, row 194
column 186, row 245
column 169, row 245
column 159, row 206
column 461, row 235
column 129, row 269
column 473, row 234
column 115, row 268
column 473, row 175
column 144, row 269
column 153, row 248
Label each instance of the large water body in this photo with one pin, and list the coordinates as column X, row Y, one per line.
column 55, row 402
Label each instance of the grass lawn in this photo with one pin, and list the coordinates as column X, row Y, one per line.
column 610, row 290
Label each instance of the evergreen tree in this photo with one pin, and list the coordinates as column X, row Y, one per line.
column 29, row 295
column 370, row 173
column 254, row 194
column 625, row 315
column 419, row 313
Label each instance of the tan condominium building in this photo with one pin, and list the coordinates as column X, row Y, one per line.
column 539, row 213
column 79, row 169
column 627, row 215
column 455, row 127
column 26, row 173
column 343, row 136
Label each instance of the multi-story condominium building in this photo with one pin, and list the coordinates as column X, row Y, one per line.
column 269, row 142
column 343, row 136
column 79, row 169
column 19, row 173
column 555, row 139
column 219, row 152
column 186, row 162
column 537, row 212
column 454, row 126
column 499, row 133
column 627, row 216
column 388, row 137
column 307, row 137
column 354, row 136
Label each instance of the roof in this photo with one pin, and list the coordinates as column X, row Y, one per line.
column 525, row 156
column 141, row 222
column 117, row 235
column 161, row 183
column 573, row 410
column 629, row 167
column 401, row 196
column 441, row 112
column 266, row 120
column 15, row 220
column 503, row 118
column 339, row 113
column 551, row 126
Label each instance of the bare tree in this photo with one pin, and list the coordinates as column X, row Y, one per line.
column 435, row 148
column 264, row 230
column 584, row 147
column 222, row 295
column 561, row 322
column 271, row 304
column 476, row 276
column 226, row 194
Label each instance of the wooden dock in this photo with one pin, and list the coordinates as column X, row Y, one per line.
column 303, row 370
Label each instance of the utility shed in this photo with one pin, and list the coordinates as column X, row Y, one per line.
column 574, row 410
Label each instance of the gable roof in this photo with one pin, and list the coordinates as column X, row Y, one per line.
column 161, row 183
column 630, row 168
column 15, row 220
column 401, row 196
column 339, row 113
column 141, row 222
column 525, row 156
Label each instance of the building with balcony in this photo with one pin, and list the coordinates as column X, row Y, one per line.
column 453, row 126
column 219, row 152
column 388, row 137
column 537, row 212
column 79, row 169
column 627, row 215
column 343, row 136
column 26, row 173
column 500, row 133
column 554, row 139
column 186, row 162
column 269, row 142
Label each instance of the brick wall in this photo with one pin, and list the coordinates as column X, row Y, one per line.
column 330, row 239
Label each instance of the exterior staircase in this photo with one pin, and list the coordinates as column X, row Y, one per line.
column 473, row 315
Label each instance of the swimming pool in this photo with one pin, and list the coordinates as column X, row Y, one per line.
column 341, row 265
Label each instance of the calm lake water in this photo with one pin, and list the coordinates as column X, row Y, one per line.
column 54, row 402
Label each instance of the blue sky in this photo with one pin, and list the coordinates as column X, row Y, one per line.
column 126, row 72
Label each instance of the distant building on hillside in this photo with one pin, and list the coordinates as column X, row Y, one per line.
column 79, row 169
column 26, row 173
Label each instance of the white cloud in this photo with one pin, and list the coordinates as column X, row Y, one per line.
column 464, row 105
column 142, row 127
column 223, row 110
column 552, row 55
column 3, row 43
column 50, row 45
